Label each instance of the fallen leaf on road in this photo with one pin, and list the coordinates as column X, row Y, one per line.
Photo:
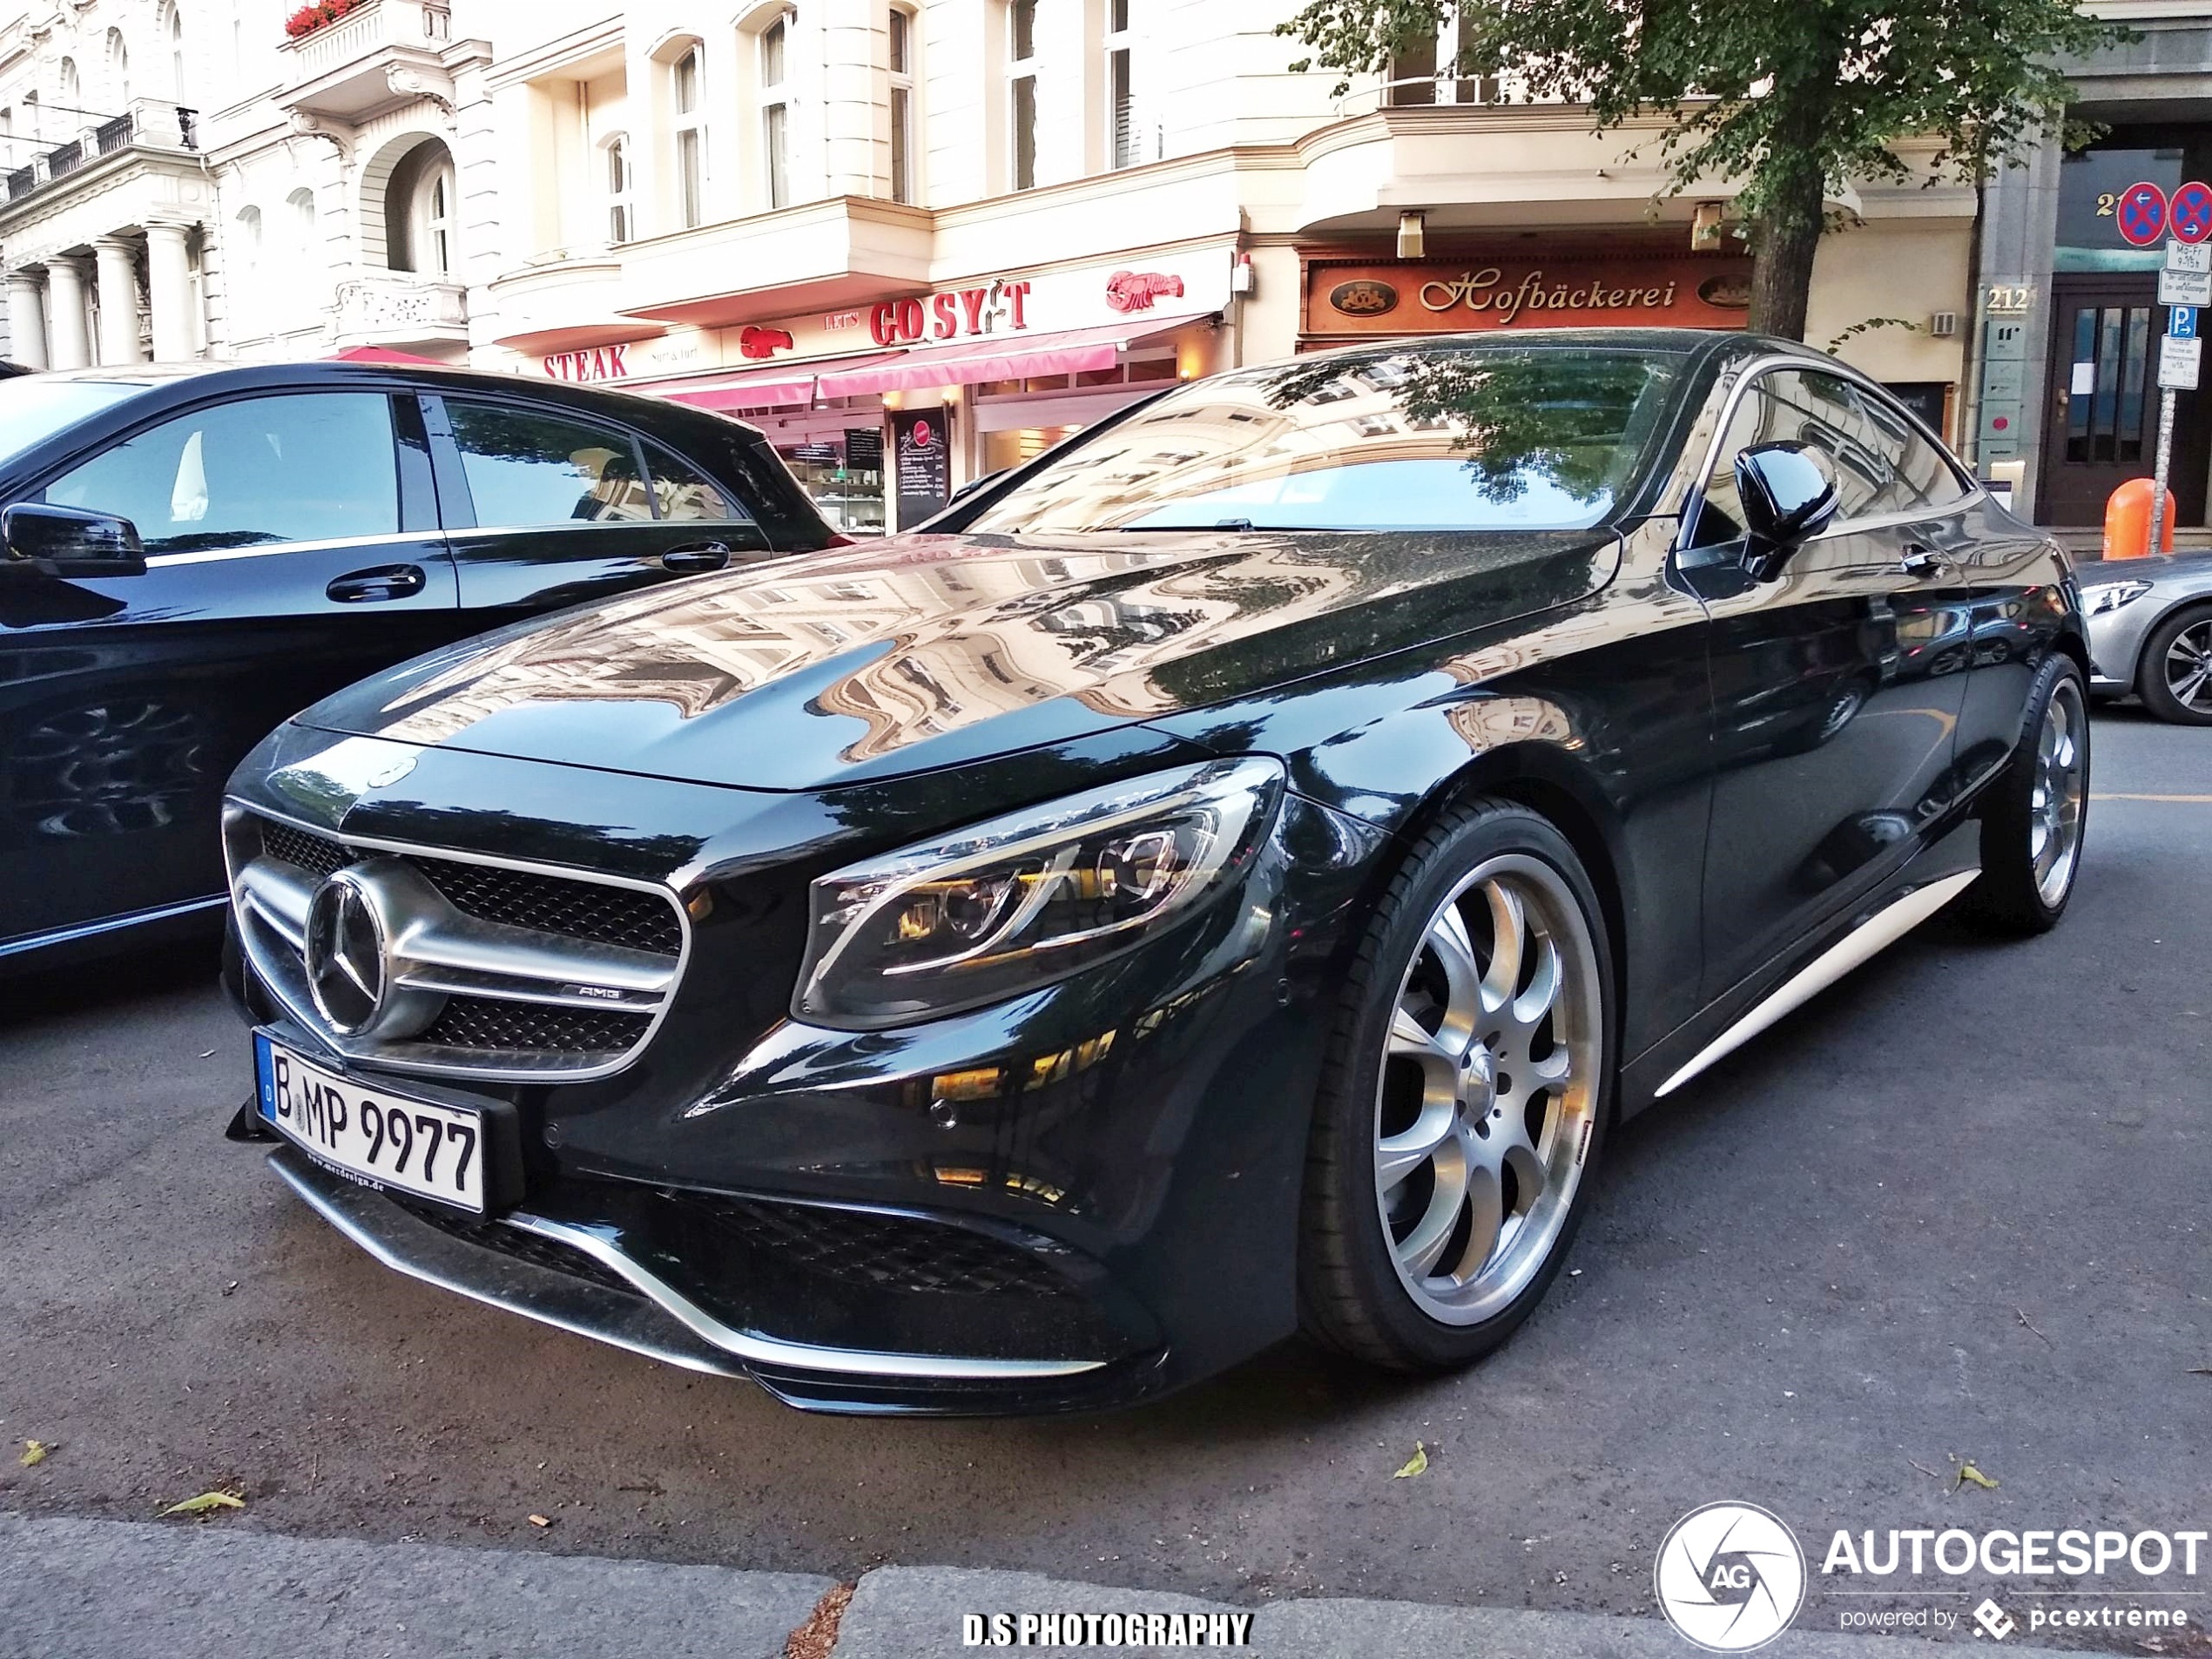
column 1417, row 1464
column 1967, row 1471
column 541, row 1521
column 34, row 1453
column 206, row 1504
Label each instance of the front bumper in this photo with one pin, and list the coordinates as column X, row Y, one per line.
column 578, row 1277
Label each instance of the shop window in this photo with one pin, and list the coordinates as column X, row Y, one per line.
column 775, row 112
column 1045, row 383
column 903, row 114
column 1099, row 376
column 683, row 493
column 312, row 466
column 526, row 469
column 1152, row 368
column 685, row 76
column 1022, row 90
column 844, row 473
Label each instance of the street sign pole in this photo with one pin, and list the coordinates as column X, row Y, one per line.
column 2184, row 286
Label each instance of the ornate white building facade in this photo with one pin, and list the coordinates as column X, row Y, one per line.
column 872, row 225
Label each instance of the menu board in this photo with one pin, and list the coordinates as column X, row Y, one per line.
column 864, row 448
column 922, row 460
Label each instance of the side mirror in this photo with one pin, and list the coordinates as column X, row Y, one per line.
column 1788, row 493
column 68, row 542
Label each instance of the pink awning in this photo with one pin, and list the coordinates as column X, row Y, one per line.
column 1003, row 357
column 770, row 387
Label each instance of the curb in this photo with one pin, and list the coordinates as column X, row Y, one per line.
column 92, row 1589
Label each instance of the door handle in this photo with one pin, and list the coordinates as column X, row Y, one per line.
column 1923, row 562
column 385, row 582
column 701, row 556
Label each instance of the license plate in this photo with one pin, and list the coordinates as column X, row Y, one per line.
column 421, row 1147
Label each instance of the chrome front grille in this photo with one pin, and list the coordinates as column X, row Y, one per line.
column 486, row 969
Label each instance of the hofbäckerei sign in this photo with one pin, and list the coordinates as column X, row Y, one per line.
column 1480, row 294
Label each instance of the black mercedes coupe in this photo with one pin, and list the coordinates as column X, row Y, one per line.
column 1226, row 877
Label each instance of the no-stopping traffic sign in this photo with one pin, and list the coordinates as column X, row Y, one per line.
column 2142, row 213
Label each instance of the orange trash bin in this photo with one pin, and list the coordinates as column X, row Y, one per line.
column 2128, row 521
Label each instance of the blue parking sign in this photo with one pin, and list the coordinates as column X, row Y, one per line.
column 2180, row 322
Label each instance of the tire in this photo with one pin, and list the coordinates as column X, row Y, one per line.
column 2034, row 816
column 1422, row 1260
column 2174, row 677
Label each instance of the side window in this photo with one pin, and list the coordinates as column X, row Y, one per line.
column 1882, row 463
column 681, row 491
column 526, row 469
column 301, row 467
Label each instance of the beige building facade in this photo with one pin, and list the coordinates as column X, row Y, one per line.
column 916, row 240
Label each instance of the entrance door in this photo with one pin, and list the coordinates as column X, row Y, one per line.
column 2102, row 423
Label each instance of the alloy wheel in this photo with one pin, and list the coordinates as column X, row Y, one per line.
column 2188, row 667
column 1490, row 1088
column 2061, row 772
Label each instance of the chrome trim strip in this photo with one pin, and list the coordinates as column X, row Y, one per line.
column 108, row 924
column 582, row 1298
column 1880, row 931
column 249, row 880
column 771, row 1351
column 433, row 542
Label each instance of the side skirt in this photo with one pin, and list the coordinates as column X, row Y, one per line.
column 1880, row 931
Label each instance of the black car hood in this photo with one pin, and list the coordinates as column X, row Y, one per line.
column 924, row 652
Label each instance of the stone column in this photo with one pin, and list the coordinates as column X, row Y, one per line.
column 169, row 292
column 26, row 318
column 118, row 270
column 66, row 345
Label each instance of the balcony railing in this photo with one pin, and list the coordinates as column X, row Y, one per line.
column 349, row 69
column 163, row 126
column 365, row 30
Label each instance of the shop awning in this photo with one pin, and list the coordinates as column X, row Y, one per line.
column 772, row 386
column 1005, row 357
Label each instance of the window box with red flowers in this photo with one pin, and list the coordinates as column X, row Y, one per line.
column 320, row 14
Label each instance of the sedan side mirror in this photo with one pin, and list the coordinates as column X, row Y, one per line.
column 70, row 542
column 1789, row 495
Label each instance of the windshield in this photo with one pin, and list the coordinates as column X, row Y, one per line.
column 33, row 407
column 1472, row 438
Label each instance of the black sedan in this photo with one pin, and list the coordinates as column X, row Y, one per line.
column 1228, row 876
column 187, row 557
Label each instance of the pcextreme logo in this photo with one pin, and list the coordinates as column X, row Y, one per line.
column 1730, row 1577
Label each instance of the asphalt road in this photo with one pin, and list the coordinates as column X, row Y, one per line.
column 1952, row 1211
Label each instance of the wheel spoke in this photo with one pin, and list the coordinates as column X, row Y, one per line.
column 1536, row 1001
column 1398, row 1155
column 1486, row 1200
column 1508, row 923
column 1426, row 1242
column 1414, row 1040
column 1454, row 951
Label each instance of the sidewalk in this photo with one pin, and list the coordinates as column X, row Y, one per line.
column 107, row 1589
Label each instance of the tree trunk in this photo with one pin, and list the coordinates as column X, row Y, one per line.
column 1784, row 239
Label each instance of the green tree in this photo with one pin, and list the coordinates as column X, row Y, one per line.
column 1791, row 97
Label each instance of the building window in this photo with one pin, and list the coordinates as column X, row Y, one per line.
column 1022, row 76
column 902, row 111
column 247, row 267
column 1124, row 142
column 119, row 69
column 618, row 190
column 775, row 112
column 1425, row 70
column 71, row 101
column 176, row 53
column 301, row 205
column 691, row 139
column 420, row 227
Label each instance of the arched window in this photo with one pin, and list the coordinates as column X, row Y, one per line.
column 686, row 84
column 176, row 53
column 775, row 110
column 901, row 42
column 71, row 100
column 246, row 262
column 300, row 211
column 618, row 181
column 421, row 201
column 118, row 70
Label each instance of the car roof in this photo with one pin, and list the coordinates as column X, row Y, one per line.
column 428, row 377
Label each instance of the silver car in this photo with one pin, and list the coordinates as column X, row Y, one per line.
column 2150, row 632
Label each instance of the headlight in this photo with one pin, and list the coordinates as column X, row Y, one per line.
column 990, row 912
column 2101, row 597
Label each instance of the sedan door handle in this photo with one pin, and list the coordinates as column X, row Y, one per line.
column 385, row 582
column 1923, row 562
column 702, row 555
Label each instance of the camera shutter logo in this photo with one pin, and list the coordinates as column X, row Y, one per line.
column 1730, row 1577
